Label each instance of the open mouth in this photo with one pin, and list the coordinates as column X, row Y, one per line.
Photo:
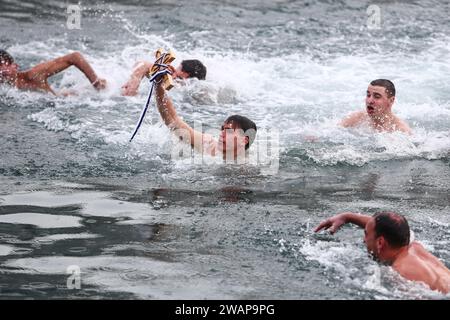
column 370, row 109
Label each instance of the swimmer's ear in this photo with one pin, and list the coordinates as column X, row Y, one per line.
column 392, row 100
column 380, row 243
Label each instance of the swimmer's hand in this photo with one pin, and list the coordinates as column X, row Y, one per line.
column 99, row 84
column 130, row 88
column 332, row 224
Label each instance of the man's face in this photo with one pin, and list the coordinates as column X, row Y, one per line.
column 179, row 73
column 370, row 239
column 377, row 101
column 232, row 139
column 8, row 71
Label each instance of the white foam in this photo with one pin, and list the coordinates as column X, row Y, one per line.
column 66, row 236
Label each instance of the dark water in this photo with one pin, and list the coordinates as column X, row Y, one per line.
column 140, row 224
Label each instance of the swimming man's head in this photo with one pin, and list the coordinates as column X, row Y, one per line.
column 8, row 68
column 386, row 231
column 190, row 69
column 380, row 97
column 237, row 133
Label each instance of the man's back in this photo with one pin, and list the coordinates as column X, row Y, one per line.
column 419, row 265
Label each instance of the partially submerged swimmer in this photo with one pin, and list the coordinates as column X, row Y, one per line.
column 186, row 69
column 237, row 132
column 378, row 114
column 387, row 238
column 36, row 78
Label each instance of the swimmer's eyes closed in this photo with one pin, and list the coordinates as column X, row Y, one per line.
column 375, row 95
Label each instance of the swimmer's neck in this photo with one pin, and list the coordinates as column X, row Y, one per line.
column 395, row 255
column 382, row 121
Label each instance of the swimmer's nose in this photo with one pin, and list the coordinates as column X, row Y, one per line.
column 369, row 101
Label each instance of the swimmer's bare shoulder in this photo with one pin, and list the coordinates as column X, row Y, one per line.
column 413, row 267
column 403, row 126
column 420, row 265
column 420, row 251
column 354, row 119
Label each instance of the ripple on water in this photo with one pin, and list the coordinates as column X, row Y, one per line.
column 38, row 286
column 78, row 249
column 136, row 275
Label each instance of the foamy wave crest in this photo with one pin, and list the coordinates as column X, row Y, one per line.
column 351, row 265
column 332, row 145
column 54, row 120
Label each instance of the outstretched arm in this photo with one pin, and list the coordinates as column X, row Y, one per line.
column 47, row 69
column 335, row 222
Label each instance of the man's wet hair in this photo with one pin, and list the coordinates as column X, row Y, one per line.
column 194, row 68
column 247, row 125
column 393, row 227
column 386, row 84
column 5, row 57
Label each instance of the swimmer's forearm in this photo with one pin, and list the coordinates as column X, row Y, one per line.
column 80, row 62
column 356, row 218
column 165, row 107
column 141, row 70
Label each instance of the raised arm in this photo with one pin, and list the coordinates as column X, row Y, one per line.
column 47, row 69
column 173, row 121
column 131, row 87
column 335, row 222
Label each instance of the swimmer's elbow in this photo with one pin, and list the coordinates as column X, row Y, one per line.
column 75, row 57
